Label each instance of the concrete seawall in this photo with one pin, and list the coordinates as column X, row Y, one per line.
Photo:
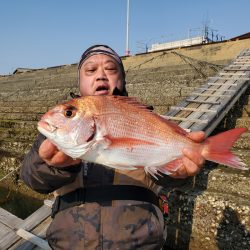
column 211, row 211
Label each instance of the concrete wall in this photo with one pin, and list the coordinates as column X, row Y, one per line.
column 221, row 52
column 211, row 211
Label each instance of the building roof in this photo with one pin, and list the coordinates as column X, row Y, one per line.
column 243, row 36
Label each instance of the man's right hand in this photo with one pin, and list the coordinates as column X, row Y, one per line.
column 53, row 157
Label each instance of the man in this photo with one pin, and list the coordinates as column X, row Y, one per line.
column 129, row 218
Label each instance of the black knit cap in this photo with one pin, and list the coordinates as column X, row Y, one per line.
column 106, row 50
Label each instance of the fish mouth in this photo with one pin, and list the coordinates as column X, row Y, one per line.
column 46, row 126
column 102, row 89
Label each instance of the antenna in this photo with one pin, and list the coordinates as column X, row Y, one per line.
column 127, row 52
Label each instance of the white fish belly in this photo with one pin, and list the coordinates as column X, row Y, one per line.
column 128, row 158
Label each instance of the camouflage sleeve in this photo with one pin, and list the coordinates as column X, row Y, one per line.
column 42, row 177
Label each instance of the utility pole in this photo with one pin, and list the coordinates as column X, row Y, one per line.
column 127, row 52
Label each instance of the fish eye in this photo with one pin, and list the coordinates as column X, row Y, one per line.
column 68, row 113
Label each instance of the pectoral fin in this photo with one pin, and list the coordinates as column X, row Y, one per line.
column 166, row 169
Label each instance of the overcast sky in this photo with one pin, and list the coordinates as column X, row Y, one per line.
column 45, row 33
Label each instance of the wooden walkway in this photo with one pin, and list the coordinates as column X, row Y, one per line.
column 209, row 103
column 27, row 234
column 202, row 110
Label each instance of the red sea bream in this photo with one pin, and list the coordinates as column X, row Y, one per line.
column 122, row 133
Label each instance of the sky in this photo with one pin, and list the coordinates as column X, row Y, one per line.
column 46, row 33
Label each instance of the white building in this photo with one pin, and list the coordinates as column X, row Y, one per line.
column 178, row 44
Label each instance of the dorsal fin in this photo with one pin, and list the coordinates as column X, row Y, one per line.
column 116, row 91
column 175, row 127
column 133, row 101
column 73, row 95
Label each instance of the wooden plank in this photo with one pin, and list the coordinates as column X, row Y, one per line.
column 239, row 66
column 49, row 203
column 33, row 239
column 184, row 119
column 242, row 67
column 241, row 61
column 229, row 78
column 244, row 56
column 234, row 69
column 233, row 74
column 9, row 219
column 28, row 224
column 214, row 94
column 221, row 84
column 39, row 231
column 221, row 90
column 4, row 231
column 193, row 109
column 35, row 218
column 206, row 102
column 8, row 222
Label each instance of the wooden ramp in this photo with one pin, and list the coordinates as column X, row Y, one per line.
column 202, row 110
column 27, row 234
column 209, row 103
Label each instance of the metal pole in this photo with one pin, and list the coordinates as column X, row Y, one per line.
column 127, row 52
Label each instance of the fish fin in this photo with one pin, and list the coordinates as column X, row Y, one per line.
column 217, row 148
column 105, row 142
column 174, row 126
column 118, row 142
column 73, row 95
column 165, row 169
column 134, row 102
column 152, row 171
column 116, row 91
column 118, row 166
column 131, row 100
column 171, row 166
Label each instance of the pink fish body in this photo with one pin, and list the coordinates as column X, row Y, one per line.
column 121, row 133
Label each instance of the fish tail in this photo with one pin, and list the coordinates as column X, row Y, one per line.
column 217, row 148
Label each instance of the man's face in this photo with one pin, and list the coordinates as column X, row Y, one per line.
column 100, row 75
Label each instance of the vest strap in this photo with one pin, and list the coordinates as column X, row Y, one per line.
column 104, row 194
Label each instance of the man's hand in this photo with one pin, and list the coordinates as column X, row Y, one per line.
column 192, row 160
column 53, row 157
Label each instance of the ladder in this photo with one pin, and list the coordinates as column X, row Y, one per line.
column 208, row 104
